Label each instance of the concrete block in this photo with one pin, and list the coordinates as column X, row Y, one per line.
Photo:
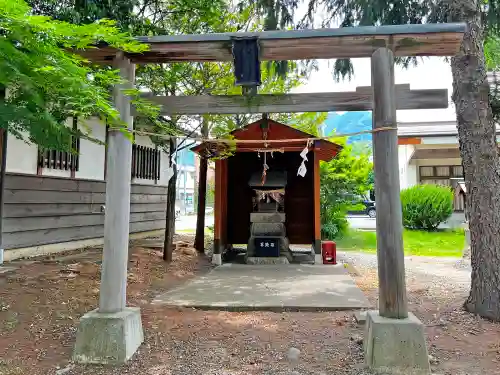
column 108, row 338
column 360, row 317
column 395, row 346
column 217, row 259
column 318, row 259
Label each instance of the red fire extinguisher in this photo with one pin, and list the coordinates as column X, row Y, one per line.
column 329, row 252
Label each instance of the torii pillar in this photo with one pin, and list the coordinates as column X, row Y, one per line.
column 394, row 340
column 112, row 333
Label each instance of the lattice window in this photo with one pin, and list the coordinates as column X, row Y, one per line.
column 62, row 160
column 145, row 162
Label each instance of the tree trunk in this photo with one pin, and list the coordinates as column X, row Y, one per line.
column 3, row 163
column 479, row 151
column 199, row 242
column 168, row 245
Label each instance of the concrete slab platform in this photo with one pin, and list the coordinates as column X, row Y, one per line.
column 239, row 287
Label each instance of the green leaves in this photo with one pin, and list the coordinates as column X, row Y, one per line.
column 342, row 179
column 426, row 206
column 46, row 83
column 492, row 52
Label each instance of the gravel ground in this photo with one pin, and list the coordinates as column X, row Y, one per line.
column 433, row 271
column 46, row 305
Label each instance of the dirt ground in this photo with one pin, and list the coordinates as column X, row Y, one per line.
column 41, row 302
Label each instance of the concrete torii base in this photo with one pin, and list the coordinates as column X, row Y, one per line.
column 395, row 346
column 108, row 338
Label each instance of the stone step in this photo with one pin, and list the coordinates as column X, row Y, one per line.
column 267, row 217
column 268, row 229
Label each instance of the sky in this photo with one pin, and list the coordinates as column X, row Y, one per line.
column 430, row 73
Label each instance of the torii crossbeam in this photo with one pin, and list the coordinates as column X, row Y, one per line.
column 359, row 100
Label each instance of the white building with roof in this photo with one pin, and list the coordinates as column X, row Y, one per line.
column 429, row 154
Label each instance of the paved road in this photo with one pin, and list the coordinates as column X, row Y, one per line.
column 186, row 223
column 366, row 223
column 361, row 222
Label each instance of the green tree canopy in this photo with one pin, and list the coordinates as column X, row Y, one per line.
column 345, row 177
column 46, row 83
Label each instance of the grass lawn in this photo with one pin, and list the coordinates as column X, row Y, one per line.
column 445, row 243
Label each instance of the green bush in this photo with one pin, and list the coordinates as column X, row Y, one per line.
column 426, row 206
column 334, row 223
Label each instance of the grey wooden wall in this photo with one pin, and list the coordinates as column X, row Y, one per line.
column 46, row 210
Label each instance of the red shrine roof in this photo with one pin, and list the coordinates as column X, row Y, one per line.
column 285, row 138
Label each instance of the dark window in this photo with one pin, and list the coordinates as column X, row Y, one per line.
column 145, row 162
column 63, row 160
column 438, row 172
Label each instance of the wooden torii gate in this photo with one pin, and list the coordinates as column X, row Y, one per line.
column 395, row 339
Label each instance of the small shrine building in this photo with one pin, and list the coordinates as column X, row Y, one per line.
column 267, row 190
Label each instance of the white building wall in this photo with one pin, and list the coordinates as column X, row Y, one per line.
column 409, row 169
column 412, row 175
column 166, row 171
column 21, row 156
column 92, row 154
column 406, row 173
column 186, row 178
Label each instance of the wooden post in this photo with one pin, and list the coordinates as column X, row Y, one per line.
column 317, row 210
column 391, row 269
column 116, row 223
column 223, row 196
column 168, row 241
column 218, row 214
column 199, row 242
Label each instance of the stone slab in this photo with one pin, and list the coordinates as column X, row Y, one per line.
column 267, row 229
column 108, row 338
column 395, row 346
column 267, row 217
column 318, row 259
column 243, row 287
column 267, row 260
column 217, row 259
